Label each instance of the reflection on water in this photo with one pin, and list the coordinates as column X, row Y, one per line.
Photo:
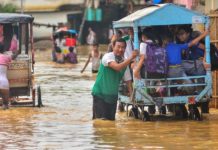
column 65, row 121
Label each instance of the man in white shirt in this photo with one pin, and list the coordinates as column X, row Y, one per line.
column 112, row 70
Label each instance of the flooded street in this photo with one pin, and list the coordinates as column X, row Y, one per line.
column 65, row 120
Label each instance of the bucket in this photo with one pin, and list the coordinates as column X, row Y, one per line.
column 90, row 14
column 98, row 13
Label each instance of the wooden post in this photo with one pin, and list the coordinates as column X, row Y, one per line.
column 214, row 40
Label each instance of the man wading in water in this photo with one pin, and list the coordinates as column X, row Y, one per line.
column 112, row 70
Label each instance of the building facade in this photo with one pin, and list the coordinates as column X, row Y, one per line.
column 51, row 12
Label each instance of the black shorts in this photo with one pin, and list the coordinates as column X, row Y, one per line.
column 103, row 110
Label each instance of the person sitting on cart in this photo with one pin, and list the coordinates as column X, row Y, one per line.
column 174, row 54
column 175, row 68
column 95, row 57
column 193, row 56
column 71, row 56
column 4, row 84
column 147, row 37
column 140, row 71
column 105, row 90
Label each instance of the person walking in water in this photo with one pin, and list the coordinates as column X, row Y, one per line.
column 4, row 84
column 113, row 69
column 91, row 38
column 95, row 56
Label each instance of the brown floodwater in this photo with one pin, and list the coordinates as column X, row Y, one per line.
column 65, row 120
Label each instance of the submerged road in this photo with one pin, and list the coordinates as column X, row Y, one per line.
column 65, row 120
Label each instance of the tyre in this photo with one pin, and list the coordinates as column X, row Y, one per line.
column 194, row 113
column 151, row 109
column 121, row 107
column 181, row 111
column 205, row 107
column 184, row 111
column 163, row 110
column 146, row 116
column 133, row 112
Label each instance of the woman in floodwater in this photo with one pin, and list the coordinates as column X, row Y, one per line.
column 4, row 84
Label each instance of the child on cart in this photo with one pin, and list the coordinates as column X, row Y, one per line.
column 174, row 54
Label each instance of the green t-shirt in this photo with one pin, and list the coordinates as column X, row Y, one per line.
column 107, row 83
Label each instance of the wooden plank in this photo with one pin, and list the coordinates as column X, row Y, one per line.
column 213, row 15
column 214, row 39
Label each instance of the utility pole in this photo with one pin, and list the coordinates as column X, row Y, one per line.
column 21, row 6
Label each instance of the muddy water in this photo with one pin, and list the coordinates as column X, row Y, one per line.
column 65, row 120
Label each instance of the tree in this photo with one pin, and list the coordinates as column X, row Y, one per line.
column 10, row 8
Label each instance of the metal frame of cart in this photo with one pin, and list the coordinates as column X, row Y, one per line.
column 164, row 15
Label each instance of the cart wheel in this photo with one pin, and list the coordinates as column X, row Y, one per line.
column 39, row 97
column 140, row 112
column 146, row 116
column 194, row 113
column 184, row 112
column 121, row 107
column 151, row 109
column 34, row 96
column 205, row 107
column 181, row 111
column 163, row 110
column 133, row 112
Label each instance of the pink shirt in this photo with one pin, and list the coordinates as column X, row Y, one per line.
column 5, row 59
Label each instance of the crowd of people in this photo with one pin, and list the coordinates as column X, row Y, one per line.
column 64, row 47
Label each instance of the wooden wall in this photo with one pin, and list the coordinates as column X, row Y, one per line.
column 214, row 40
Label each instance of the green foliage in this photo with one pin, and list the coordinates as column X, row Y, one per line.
column 10, row 8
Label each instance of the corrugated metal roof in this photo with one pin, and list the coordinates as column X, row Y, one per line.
column 141, row 13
